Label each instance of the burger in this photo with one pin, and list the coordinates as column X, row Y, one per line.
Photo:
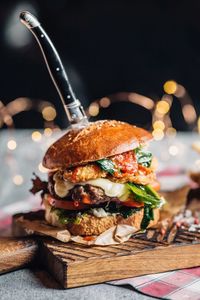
column 100, row 176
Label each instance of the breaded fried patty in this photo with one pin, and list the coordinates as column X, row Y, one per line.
column 91, row 225
column 92, row 171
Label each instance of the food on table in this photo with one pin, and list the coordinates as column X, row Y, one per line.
column 100, row 176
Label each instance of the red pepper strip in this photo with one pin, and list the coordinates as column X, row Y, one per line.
column 69, row 205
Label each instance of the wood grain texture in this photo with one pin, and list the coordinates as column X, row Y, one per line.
column 74, row 265
column 16, row 253
column 77, row 265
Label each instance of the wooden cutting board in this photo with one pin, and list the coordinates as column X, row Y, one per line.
column 76, row 265
column 16, row 253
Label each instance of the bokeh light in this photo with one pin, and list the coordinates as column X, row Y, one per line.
column 180, row 91
column 141, row 100
column 104, row 102
column 198, row 124
column 48, row 132
column 189, row 113
column 158, row 134
column 93, row 109
column 162, row 107
column 36, row 136
column 18, row 179
column 8, row 120
column 171, row 132
column 173, row 150
column 170, row 87
column 159, row 125
column 11, row 144
column 49, row 113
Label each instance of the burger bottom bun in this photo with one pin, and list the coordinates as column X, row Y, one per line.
column 92, row 225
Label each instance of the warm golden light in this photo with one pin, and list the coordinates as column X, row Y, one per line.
column 158, row 134
column 20, row 104
column 12, row 145
column 180, row 91
column 18, row 179
column 141, row 100
column 189, row 113
column 198, row 124
column 49, row 113
column 93, row 109
column 170, row 87
column 162, row 107
column 171, row 132
column 105, row 102
column 196, row 146
column 48, row 132
column 8, row 120
column 36, row 136
column 42, row 169
column 159, row 125
column 57, row 129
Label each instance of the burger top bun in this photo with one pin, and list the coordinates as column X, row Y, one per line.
column 98, row 140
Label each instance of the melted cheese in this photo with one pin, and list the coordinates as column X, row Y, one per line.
column 61, row 186
column 111, row 189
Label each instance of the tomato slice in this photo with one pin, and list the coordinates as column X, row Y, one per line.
column 69, row 205
column 126, row 162
column 132, row 203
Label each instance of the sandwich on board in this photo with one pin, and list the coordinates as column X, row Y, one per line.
column 100, row 176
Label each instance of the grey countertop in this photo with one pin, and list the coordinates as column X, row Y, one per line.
column 28, row 284
column 23, row 161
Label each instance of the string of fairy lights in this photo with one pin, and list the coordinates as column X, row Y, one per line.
column 160, row 111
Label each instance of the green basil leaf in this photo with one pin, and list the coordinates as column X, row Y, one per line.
column 106, row 165
column 151, row 191
column 144, row 158
column 147, row 217
column 142, row 194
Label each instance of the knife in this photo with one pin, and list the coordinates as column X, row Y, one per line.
column 72, row 106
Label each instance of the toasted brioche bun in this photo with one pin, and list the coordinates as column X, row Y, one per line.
column 98, row 140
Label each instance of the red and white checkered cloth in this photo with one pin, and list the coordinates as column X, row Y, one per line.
column 176, row 285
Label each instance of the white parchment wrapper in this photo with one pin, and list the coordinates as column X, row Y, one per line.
column 115, row 235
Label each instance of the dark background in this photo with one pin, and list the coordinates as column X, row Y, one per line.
column 107, row 47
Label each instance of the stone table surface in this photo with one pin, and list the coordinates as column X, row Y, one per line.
column 24, row 160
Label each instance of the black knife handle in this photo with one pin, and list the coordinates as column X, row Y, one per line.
column 73, row 108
